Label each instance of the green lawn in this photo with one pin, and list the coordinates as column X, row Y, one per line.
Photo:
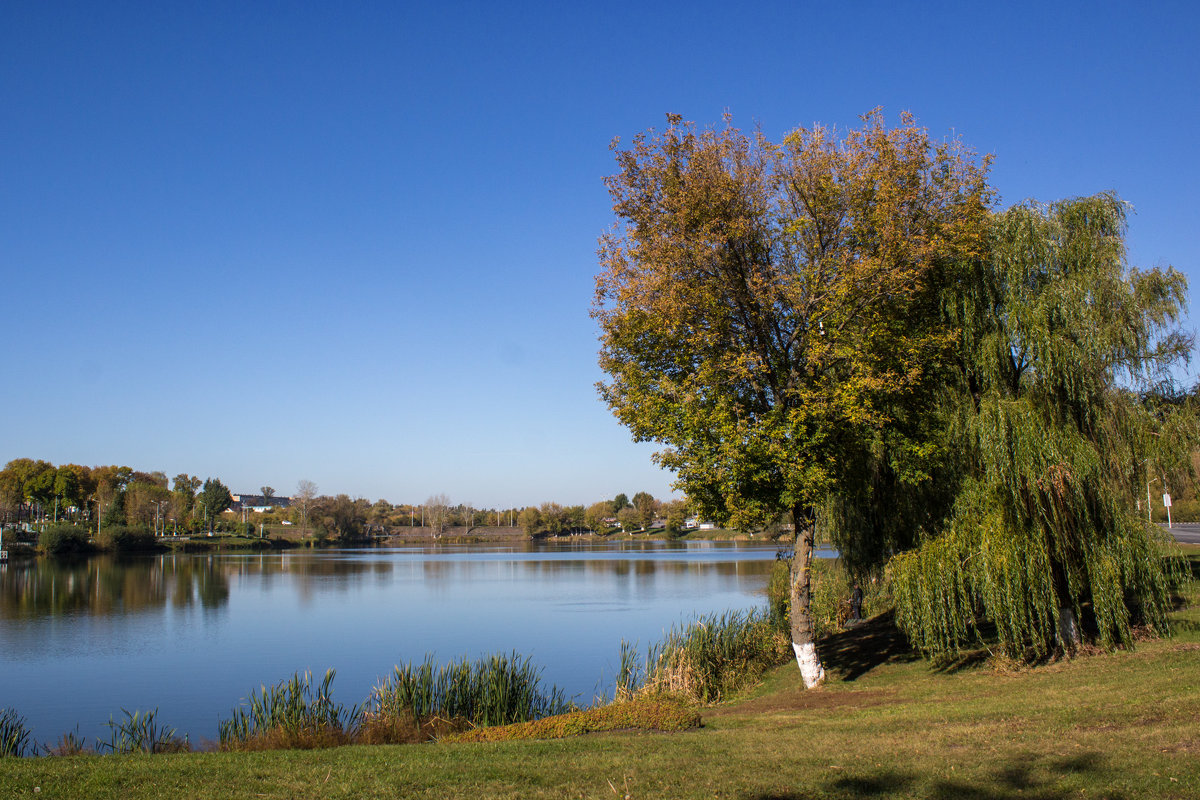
column 1121, row 725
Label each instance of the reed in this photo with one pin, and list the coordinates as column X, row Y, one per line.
column 495, row 690
column 706, row 660
column 14, row 734
column 69, row 744
column 140, row 732
column 291, row 714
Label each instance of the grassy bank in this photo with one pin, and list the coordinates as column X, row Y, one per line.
column 1120, row 724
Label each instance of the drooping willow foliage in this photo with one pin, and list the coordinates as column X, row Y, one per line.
column 1058, row 412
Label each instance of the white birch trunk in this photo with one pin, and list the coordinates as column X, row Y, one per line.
column 810, row 664
column 803, row 640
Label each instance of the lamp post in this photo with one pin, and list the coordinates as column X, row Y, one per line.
column 1149, row 511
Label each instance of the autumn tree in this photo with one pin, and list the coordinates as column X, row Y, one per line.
column 595, row 515
column 530, row 520
column 306, row 491
column 1060, row 399
column 762, row 305
column 552, row 518
column 573, row 518
column 72, row 485
column 676, row 516
column 629, row 519
column 437, row 513
column 109, row 495
column 144, row 501
column 340, row 517
column 183, row 495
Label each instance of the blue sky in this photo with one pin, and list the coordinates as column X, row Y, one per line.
column 355, row 243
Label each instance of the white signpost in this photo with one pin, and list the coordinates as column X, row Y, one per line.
column 1167, row 503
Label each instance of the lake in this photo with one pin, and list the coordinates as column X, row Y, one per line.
column 194, row 634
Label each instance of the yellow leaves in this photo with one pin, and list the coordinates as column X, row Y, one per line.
column 761, row 304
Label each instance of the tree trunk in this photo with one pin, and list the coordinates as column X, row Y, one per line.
column 1068, row 630
column 803, row 640
column 1069, row 637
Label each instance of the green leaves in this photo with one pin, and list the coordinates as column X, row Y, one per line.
column 1060, row 413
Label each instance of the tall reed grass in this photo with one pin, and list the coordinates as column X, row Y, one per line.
column 140, row 732
column 495, row 690
column 706, row 660
column 14, row 734
column 291, row 714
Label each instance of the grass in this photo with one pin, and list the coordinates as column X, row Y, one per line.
column 885, row 725
column 647, row 713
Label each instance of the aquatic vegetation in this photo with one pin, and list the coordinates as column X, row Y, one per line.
column 706, row 660
column 291, row 714
column 495, row 690
column 14, row 734
column 140, row 732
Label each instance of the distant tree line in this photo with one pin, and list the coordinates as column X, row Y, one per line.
column 36, row 491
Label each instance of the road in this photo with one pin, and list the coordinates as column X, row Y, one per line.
column 1188, row 532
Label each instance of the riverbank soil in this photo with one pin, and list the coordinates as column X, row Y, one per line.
column 885, row 725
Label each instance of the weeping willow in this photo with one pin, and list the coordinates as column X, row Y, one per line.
column 1057, row 415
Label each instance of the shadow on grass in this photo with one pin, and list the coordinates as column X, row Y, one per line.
column 1028, row 777
column 855, row 652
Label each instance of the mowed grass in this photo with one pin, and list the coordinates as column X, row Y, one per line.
column 1119, row 725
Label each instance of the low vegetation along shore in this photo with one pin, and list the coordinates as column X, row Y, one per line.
column 885, row 724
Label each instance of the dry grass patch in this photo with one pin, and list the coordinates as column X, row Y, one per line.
column 657, row 713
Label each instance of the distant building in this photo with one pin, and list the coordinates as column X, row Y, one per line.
column 258, row 502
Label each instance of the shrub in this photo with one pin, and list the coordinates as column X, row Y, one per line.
column 62, row 540
column 123, row 539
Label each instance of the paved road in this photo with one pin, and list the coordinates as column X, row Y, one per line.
column 1186, row 532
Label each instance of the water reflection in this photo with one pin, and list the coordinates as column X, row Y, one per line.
column 110, row 585
column 191, row 634
column 105, row 585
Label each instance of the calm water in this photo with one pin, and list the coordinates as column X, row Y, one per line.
column 193, row 634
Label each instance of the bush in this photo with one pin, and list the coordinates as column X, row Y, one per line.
column 62, row 540
column 122, row 539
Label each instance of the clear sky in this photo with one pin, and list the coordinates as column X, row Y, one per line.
column 355, row 243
